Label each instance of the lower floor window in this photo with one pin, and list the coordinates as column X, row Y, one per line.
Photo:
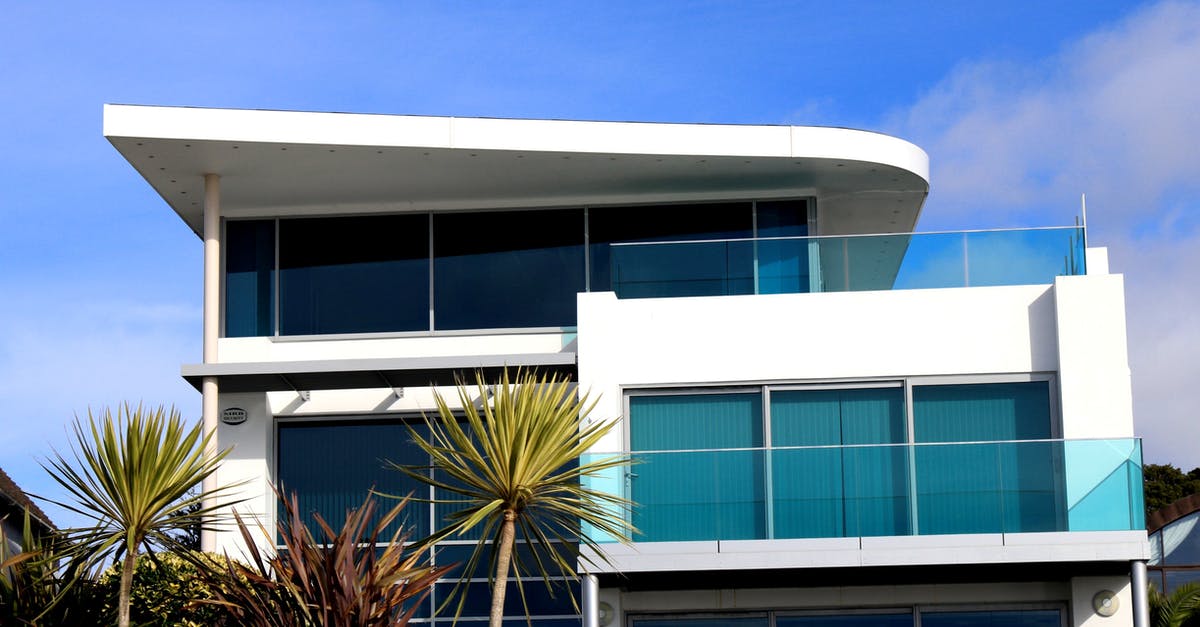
column 1048, row 617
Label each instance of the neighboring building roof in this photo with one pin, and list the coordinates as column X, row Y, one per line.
column 290, row 162
column 13, row 499
column 1162, row 517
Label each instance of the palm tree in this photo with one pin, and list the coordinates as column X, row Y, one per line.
column 514, row 465
column 1179, row 609
column 131, row 476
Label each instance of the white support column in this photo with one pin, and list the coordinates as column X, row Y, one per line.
column 591, row 601
column 212, row 321
column 1140, row 594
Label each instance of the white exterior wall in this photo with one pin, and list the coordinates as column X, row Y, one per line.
column 379, row 346
column 1074, row 329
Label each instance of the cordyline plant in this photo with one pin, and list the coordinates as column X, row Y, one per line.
column 515, row 467
column 342, row 580
column 133, row 476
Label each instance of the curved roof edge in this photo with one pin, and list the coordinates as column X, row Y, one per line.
column 564, row 136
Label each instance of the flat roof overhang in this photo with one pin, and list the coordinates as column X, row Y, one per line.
column 343, row 374
column 275, row 163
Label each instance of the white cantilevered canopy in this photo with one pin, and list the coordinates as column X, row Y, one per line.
column 274, row 163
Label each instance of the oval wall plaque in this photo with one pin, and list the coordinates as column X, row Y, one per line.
column 233, row 416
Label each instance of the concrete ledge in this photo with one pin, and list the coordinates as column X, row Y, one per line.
column 937, row 550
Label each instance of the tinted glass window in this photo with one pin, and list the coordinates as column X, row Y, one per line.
column 846, row 620
column 354, row 275
column 249, row 276
column 607, row 225
column 507, row 269
column 1006, row 618
column 332, row 468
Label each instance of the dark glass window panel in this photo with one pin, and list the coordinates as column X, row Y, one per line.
column 354, row 275
column 1176, row 578
column 332, row 467
column 783, row 266
column 712, row 221
column 507, row 269
column 554, row 600
column 998, row 618
column 460, row 554
column 249, row 278
column 709, row 621
column 846, row 620
column 782, row 218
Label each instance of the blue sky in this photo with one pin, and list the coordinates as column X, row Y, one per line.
column 1021, row 106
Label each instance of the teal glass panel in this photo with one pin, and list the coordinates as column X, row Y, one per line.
column 832, row 492
column 982, row 412
column 1104, row 485
column 674, row 422
column 982, row 488
column 333, row 466
column 249, row 278
column 809, row 498
column 660, row 223
column 993, row 618
column 932, row 260
column 782, row 264
column 699, row 495
column 856, row 264
column 703, row 494
column 878, row 499
column 1023, row 257
column 846, row 620
column 958, row 489
column 720, row 268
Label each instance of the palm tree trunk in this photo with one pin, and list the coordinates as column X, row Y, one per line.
column 503, row 557
column 126, row 586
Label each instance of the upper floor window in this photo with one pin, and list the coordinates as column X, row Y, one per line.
column 473, row 270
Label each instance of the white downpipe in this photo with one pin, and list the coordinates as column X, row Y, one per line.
column 212, row 321
column 591, row 601
column 1140, row 594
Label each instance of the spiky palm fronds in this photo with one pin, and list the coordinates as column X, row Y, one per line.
column 515, row 465
column 131, row 475
column 1181, row 608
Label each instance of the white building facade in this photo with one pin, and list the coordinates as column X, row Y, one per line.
column 835, row 421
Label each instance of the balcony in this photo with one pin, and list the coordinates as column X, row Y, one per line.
column 789, row 265
column 883, row 490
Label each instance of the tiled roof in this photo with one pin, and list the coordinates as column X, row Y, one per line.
column 11, row 494
column 1169, row 514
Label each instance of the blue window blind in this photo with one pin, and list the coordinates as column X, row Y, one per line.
column 332, row 468
column 698, row 495
column 999, row 485
column 835, row 492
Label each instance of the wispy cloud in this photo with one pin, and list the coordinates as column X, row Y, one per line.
column 1114, row 115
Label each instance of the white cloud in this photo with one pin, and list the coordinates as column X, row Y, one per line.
column 1116, row 115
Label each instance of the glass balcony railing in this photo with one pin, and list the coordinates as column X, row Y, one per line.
column 791, row 265
column 884, row 490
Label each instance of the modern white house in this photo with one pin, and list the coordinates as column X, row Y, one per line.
column 837, row 421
